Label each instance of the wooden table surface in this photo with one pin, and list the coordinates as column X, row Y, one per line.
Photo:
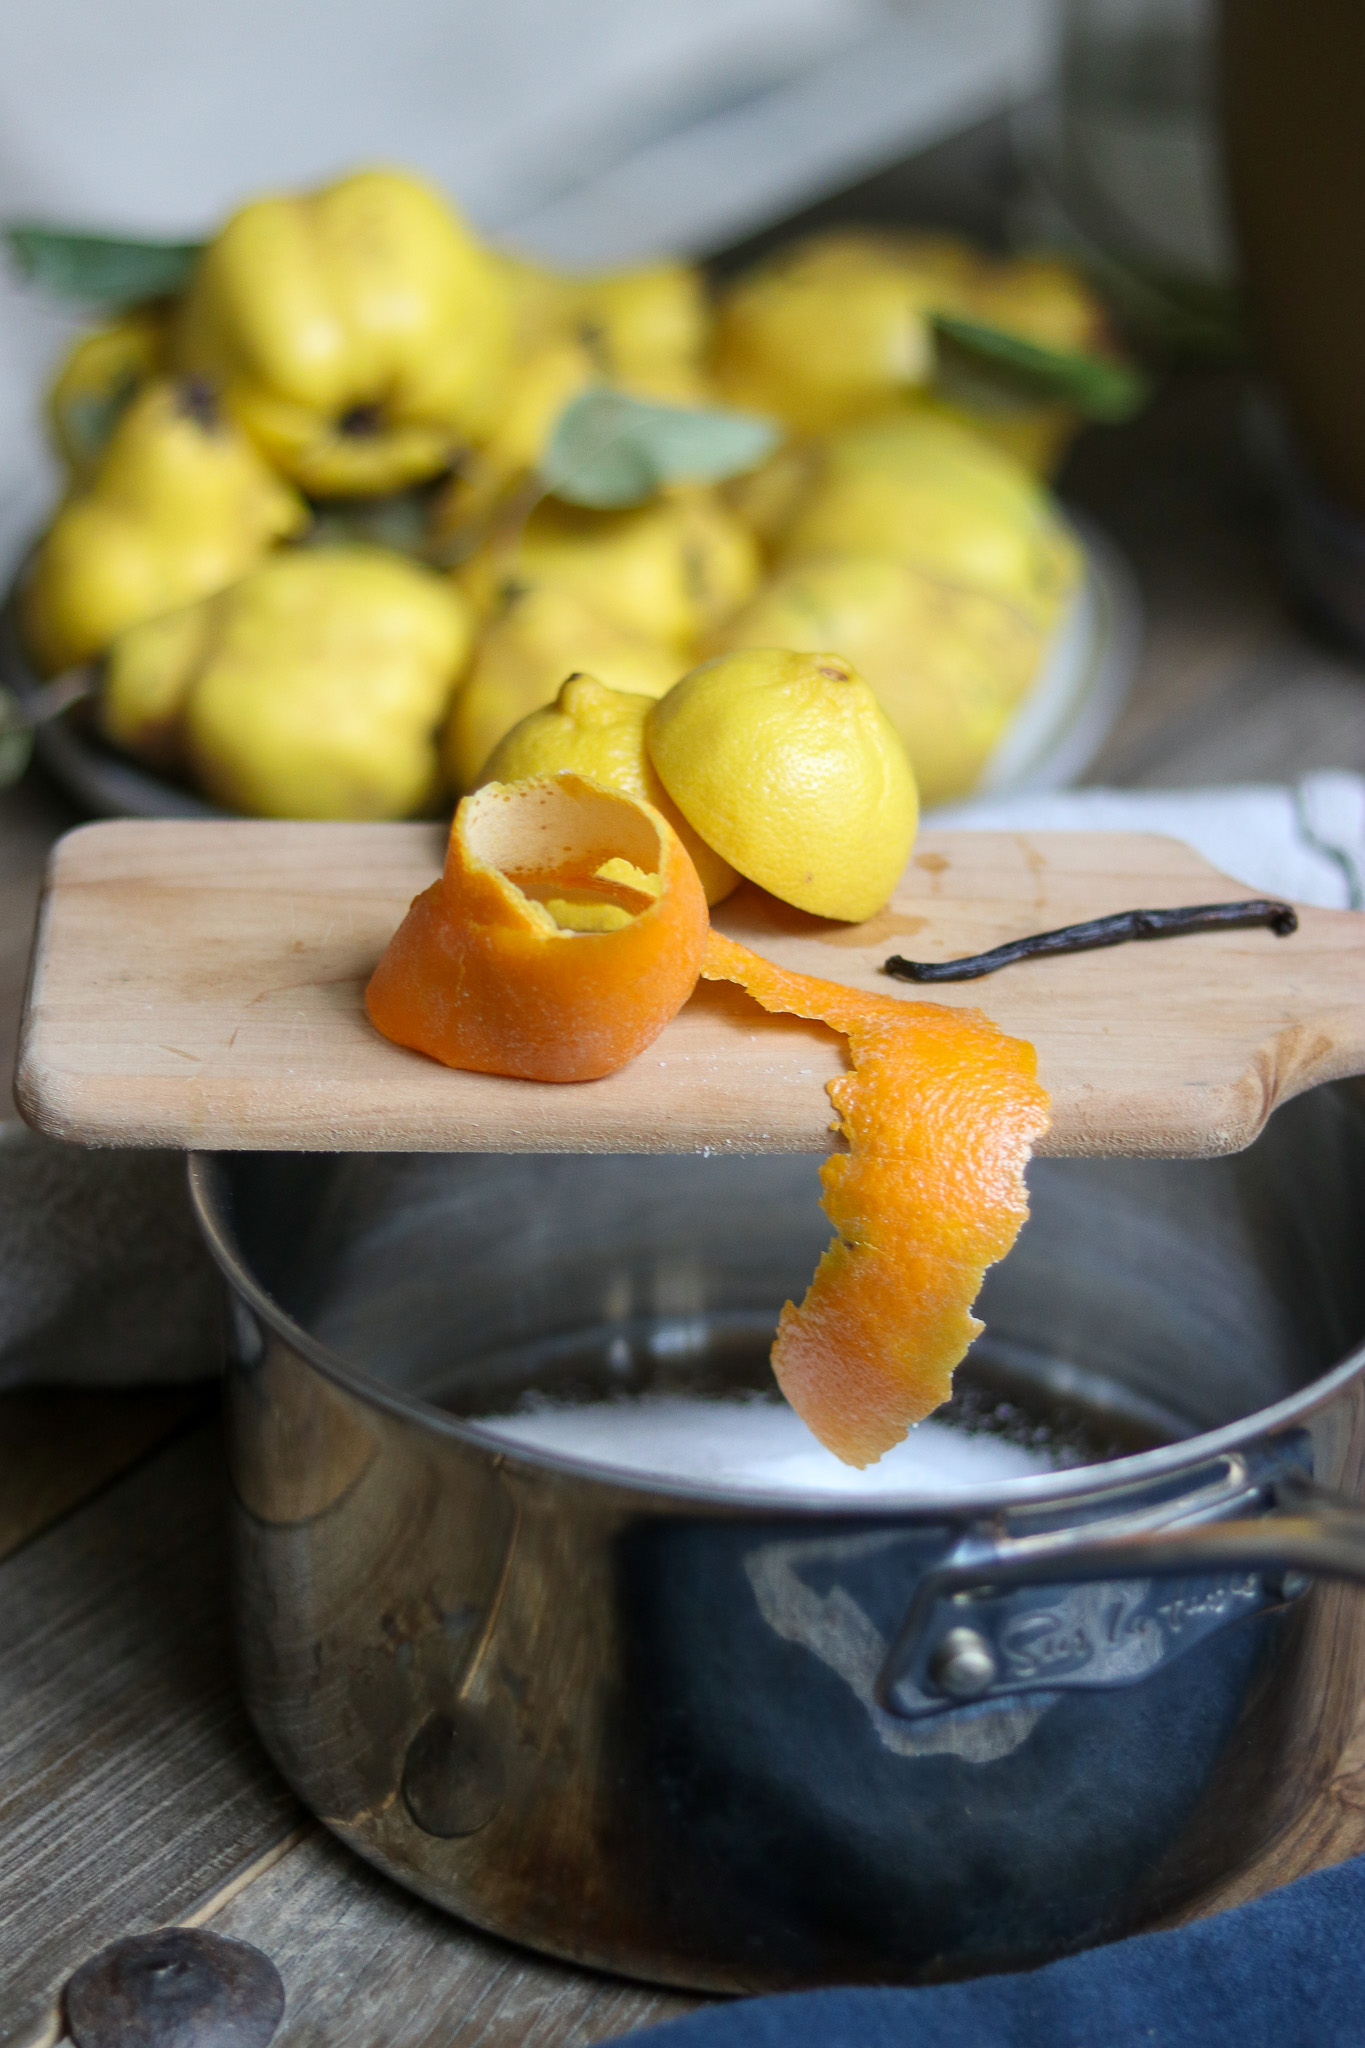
column 132, row 1792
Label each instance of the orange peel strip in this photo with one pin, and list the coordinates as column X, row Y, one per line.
column 485, row 973
column 940, row 1111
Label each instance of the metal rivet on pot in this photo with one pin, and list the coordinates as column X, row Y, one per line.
column 963, row 1664
column 178, row 1988
column 453, row 1778
column 1288, row 1585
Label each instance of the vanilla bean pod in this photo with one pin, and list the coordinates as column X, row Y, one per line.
column 1097, row 932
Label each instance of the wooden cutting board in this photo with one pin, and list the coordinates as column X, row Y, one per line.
column 199, row 984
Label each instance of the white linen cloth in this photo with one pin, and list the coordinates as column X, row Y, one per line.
column 103, row 1282
column 1306, row 842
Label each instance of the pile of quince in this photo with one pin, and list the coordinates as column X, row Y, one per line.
column 309, row 545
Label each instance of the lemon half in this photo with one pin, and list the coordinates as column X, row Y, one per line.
column 787, row 765
column 600, row 733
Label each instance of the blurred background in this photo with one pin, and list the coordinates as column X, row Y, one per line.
column 1195, row 169
column 601, row 132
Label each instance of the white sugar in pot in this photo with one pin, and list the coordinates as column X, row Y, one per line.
column 549, row 1609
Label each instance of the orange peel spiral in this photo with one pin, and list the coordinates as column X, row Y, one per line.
column 940, row 1112
column 567, row 928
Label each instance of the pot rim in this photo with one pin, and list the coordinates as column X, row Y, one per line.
column 1074, row 1483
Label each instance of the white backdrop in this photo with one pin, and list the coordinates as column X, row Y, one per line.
column 591, row 131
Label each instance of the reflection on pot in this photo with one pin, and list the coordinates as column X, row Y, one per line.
column 743, row 1729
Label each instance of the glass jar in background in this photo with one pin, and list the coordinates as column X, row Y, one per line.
column 1292, row 89
column 1123, row 165
column 1294, row 95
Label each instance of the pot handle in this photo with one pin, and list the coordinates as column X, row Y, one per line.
column 979, row 1628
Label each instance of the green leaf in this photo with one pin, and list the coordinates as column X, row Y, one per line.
column 1098, row 386
column 16, row 738
column 102, row 269
column 608, row 449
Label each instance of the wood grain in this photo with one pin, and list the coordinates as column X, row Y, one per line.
column 366, row 1964
column 134, row 1692
column 130, row 1781
column 200, row 985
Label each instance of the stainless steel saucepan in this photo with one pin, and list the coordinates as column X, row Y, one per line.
column 739, row 1729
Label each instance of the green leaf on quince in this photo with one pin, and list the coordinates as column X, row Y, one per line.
column 110, row 270
column 609, row 449
column 1101, row 387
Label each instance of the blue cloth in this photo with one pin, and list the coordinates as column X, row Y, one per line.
column 1287, row 1971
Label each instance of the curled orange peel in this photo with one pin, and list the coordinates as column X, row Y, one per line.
column 940, row 1111
column 567, row 928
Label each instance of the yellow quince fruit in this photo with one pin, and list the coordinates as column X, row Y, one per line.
column 97, row 379
column 643, row 331
column 146, row 679
column 648, row 325
column 925, row 491
column 361, row 334
column 326, row 687
column 667, row 571
column 948, row 665
column 648, row 329
column 1041, row 299
column 542, row 634
column 179, row 505
column 839, row 327
column 836, row 327
column 538, row 298
column 769, row 497
column 600, row 733
column 545, row 382
column 313, row 688
column 1035, row 436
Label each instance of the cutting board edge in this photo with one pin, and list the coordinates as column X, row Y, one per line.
column 60, row 1106
column 63, row 1101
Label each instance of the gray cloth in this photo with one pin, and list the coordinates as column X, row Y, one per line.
column 103, row 1277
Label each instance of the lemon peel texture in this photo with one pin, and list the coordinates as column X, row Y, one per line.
column 786, row 764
